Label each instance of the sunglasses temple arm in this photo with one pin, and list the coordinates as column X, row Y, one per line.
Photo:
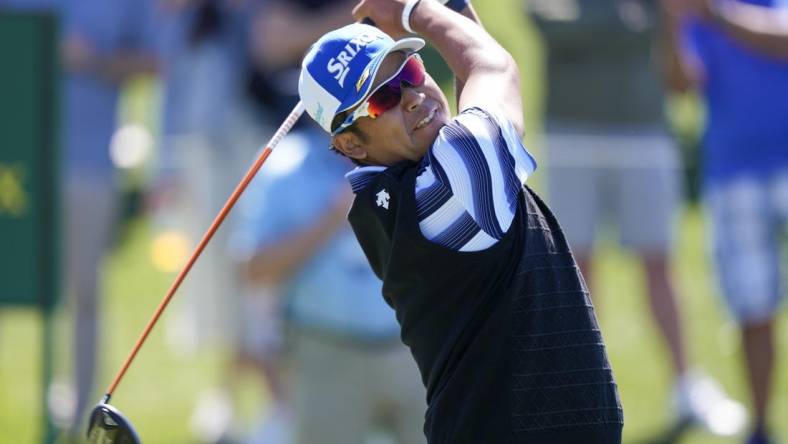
column 286, row 126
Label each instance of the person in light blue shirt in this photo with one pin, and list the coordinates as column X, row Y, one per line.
column 735, row 55
column 103, row 44
column 350, row 367
column 328, row 291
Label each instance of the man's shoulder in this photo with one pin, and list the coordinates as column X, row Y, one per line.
column 361, row 177
column 474, row 118
column 475, row 112
column 474, row 125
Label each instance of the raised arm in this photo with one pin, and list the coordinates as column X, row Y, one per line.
column 469, row 12
column 682, row 71
column 760, row 28
column 678, row 74
column 487, row 71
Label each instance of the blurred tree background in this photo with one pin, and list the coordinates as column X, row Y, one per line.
column 160, row 390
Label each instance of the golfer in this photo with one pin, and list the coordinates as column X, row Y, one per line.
column 486, row 291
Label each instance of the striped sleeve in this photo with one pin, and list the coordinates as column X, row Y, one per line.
column 467, row 195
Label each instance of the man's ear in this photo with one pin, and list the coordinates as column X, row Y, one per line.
column 350, row 144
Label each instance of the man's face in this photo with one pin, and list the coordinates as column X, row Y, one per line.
column 404, row 132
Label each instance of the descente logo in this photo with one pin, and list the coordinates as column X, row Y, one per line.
column 338, row 66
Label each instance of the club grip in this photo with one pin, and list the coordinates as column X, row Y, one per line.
column 456, row 5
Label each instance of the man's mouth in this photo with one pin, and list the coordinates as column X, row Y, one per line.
column 426, row 121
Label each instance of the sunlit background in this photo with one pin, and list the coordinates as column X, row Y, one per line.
column 161, row 389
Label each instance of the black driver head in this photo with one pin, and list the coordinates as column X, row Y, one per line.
column 108, row 426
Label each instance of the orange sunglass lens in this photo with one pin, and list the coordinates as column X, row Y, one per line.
column 390, row 94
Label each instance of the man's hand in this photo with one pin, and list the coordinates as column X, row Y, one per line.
column 278, row 261
column 488, row 72
column 762, row 29
column 387, row 15
column 678, row 9
column 703, row 9
column 78, row 54
column 673, row 7
column 166, row 191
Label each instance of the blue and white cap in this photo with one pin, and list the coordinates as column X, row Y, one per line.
column 338, row 70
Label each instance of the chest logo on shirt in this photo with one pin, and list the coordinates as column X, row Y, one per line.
column 383, row 199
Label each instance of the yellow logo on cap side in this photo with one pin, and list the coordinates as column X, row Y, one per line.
column 362, row 79
column 13, row 198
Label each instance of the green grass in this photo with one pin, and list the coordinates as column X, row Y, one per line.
column 160, row 381
column 160, row 389
column 636, row 351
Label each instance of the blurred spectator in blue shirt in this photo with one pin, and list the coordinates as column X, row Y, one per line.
column 103, row 44
column 325, row 279
column 351, row 370
column 735, row 54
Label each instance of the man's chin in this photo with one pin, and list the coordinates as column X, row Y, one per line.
column 427, row 135
column 423, row 147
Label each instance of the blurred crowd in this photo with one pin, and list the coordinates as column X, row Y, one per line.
column 286, row 286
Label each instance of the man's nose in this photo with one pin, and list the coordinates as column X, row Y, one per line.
column 411, row 98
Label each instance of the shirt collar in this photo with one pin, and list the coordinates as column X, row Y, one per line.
column 360, row 177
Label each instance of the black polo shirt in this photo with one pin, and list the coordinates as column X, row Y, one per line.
column 505, row 338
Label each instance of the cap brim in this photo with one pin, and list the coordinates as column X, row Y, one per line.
column 411, row 43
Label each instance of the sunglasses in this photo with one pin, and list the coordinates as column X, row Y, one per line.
column 389, row 93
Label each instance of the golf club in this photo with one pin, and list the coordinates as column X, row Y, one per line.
column 107, row 424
